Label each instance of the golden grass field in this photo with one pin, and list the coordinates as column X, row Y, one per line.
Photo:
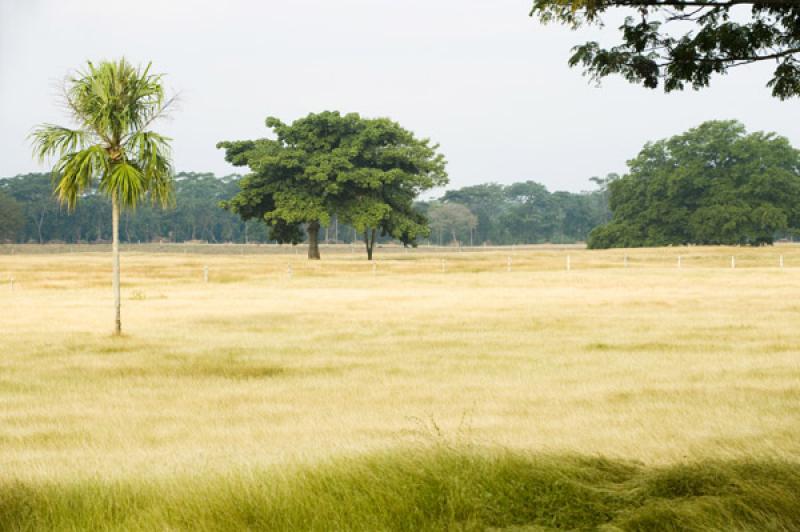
column 256, row 369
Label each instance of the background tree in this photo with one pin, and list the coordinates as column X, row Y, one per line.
column 453, row 220
column 365, row 171
column 710, row 38
column 488, row 202
column 603, row 188
column 714, row 184
column 113, row 104
column 34, row 192
column 11, row 217
column 533, row 216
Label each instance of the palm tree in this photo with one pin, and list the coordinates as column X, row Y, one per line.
column 113, row 105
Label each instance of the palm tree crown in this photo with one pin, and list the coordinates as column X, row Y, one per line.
column 113, row 104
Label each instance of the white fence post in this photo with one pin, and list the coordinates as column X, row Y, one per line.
column 289, row 270
column 205, row 274
column 508, row 264
column 569, row 263
column 733, row 261
column 679, row 262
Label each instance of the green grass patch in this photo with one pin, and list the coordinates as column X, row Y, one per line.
column 436, row 488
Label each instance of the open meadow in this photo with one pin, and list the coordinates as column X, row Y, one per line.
column 435, row 389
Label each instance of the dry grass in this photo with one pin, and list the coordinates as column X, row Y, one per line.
column 646, row 363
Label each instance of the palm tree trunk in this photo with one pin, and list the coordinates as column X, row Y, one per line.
column 115, row 260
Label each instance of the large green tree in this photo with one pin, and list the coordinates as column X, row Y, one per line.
column 685, row 42
column 714, row 184
column 113, row 105
column 366, row 172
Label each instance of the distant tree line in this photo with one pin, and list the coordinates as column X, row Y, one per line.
column 520, row 213
column 715, row 184
column 496, row 214
column 38, row 217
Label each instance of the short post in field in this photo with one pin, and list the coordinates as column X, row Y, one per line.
column 679, row 262
column 733, row 261
column 289, row 271
column 11, row 283
column 205, row 274
column 569, row 263
column 508, row 264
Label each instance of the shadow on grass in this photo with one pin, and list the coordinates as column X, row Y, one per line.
column 436, row 488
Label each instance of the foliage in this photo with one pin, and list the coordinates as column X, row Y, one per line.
column 452, row 219
column 113, row 104
column 11, row 217
column 527, row 213
column 366, row 172
column 195, row 214
column 651, row 54
column 714, row 184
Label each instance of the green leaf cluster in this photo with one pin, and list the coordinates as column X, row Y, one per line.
column 714, row 184
column 681, row 43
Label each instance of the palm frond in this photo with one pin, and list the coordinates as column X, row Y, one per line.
column 52, row 140
column 116, row 98
column 151, row 152
column 126, row 182
column 77, row 171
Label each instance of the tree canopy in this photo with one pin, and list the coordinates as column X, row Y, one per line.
column 714, row 184
column 365, row 171
column 451, row 219
column 681, row 43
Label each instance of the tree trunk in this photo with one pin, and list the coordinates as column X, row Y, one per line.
column 39, row 224
column 370, row 243
column 115, row 260
column 313, row 240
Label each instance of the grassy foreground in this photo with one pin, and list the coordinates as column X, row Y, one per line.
column 434, row 489
column 265, row 400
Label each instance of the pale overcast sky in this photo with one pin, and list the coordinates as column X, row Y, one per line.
column 480, row 77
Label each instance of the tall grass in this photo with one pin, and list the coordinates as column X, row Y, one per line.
column 235, row 403
column 432, row 489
